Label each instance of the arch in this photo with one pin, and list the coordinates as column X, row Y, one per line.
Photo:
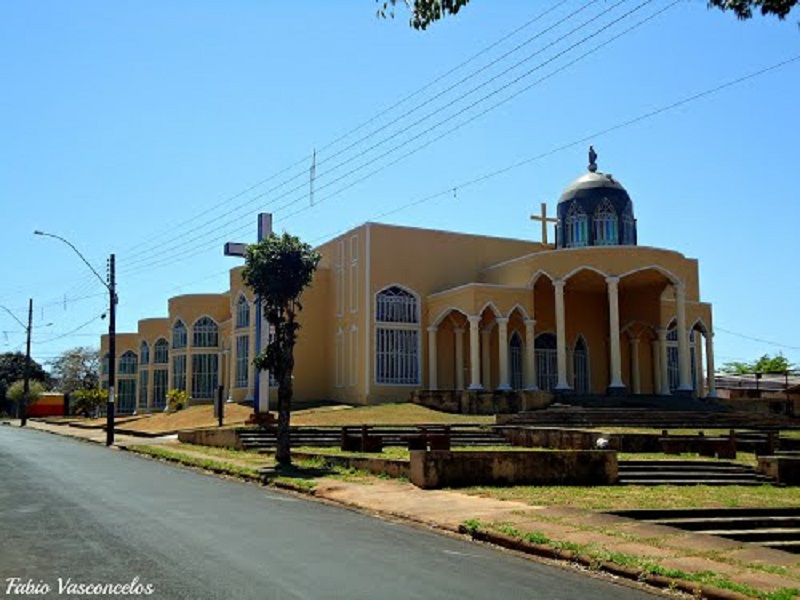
column 495, row 311
column 397, row 303
column 161, row 351
column 128, row 363
column 180, row 335
column 673, row 279
column 242, row 312
column 605, row 224
column 576, row 226
column 205, row 333
column 518, row 307
column 144, row 353
column 577, row 270
column 446, row 313
column 580, row 366
column 540, row 273
column 699, row 325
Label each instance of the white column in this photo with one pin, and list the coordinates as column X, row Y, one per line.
column 433, row 366
column 502, row 348
column 530, row 354
column 663, row 362
column 712, row 385
column 474, row 353
column 613, row 332
column 486, row 357
column 459, row 333
column 684, row 365
column 561, row 337
column 636, row 381
column 656, row 368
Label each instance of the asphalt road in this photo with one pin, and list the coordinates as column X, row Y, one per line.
column 74, row 510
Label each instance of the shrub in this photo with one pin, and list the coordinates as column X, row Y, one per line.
column 87, row 402
column 177, row 399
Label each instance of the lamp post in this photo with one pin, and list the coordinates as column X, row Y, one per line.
column 111, row 286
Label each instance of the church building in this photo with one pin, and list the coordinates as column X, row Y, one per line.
column 393, row 310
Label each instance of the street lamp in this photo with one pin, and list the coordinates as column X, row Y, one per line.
column 111, row 286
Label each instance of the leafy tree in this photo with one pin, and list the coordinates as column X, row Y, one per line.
column 87, row 402
column 76, row 369
column 423, row 12
column 278, row 269
column 766, row 364
column 16, row 393
column 12, row 368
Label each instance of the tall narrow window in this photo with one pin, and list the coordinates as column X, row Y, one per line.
column 243, row 361
column 179, row 372
column 144, row 377
column 144, row 353
column 206, row 334
column 606, row 226
column 128, row 363
column 546, row 361
column 673, row 359
column 580, row 366
column 161, row 352
column 205, row 375
column 104, row 366
column 126, row 396
column 577, row 226
column 160, row 383
column 354, row 273
column 515, row 360
column 339, row 274
column 628, row 226
column 242, row 312
column 397, row 337
column 179, row 337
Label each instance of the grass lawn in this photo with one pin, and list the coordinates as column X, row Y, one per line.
column 189, row 418
column 630, row 496
column 385, row 414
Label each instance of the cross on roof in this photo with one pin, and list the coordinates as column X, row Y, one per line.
column 264, row 231
column 544, row 220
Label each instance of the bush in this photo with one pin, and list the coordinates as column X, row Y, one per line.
column 177, row 400
column 16, row 393
column 87, row 402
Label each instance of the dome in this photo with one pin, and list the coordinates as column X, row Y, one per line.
column 595, row 210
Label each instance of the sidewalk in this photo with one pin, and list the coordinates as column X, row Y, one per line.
column 97, row 436
column 705, row 565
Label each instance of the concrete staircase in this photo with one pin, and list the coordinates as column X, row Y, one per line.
column 331, row 437
column 688, row 472
column 777, row 528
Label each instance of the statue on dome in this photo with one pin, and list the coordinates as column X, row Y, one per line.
column 592, row 159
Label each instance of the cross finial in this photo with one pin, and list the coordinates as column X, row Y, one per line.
column 544, row 219
column 592, row 159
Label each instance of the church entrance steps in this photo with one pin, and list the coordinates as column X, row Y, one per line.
column 265, row 439
column 689, row 472
column 777, row 528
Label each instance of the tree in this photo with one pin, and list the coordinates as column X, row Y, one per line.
column 766, row 364
column 278, row 269
column 76, row 369
column 16, row 393
column 87, row 402
column 12, row 368
column 423, row 12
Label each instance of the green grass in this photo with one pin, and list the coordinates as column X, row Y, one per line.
column 597, row 555
column 216, row 465
column 631, row 497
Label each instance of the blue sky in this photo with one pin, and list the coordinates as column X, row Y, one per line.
column 131, row 127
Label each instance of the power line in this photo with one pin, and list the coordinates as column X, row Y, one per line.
column 755, row 339
column 133, row 268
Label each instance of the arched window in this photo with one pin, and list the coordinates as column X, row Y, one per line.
column 144, row 353
column 242, row 312
column 205, row 334
column 673, row 359
column 606, row 225
column 397, row 337
column 515, row 360
column 580, row 366
column 546, row 361
column 161, row 352
column 128, row 363
column 104, row 366
column 179, row 337
column 577, row 226
column 628, row 226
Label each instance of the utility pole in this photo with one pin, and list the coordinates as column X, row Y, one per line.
column 112, row 349
column 27, row 377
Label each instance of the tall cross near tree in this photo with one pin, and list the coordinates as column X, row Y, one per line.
column 544, row 220
column 261, row 399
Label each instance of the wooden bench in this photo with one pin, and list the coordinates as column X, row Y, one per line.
column 365, row 438
column 719, row 447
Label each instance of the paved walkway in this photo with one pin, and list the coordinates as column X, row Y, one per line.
column 746, row 564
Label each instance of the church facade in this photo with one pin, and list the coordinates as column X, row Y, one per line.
column 397, row 309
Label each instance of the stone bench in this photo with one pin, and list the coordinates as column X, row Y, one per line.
column 719, row 447
column 369, row 439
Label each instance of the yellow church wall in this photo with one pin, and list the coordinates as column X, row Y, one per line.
column 150, row 330
column 313, row 377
